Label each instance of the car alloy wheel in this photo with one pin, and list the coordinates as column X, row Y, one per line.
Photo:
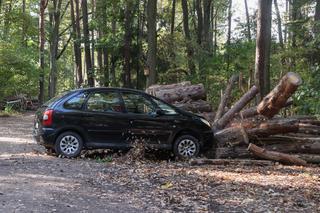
column 69, row 144
column 186, row 147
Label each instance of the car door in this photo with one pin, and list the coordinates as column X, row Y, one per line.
column 105, row 121
column 145, row 124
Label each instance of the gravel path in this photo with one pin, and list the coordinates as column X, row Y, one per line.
column 31, row 181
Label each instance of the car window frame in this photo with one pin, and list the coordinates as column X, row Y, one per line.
column 85, row 106
column 73, row 96
column 144, row 96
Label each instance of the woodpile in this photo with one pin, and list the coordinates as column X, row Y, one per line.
column 256, row 132
column 185, row 96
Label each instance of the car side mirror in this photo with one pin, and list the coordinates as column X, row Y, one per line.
column 160, row 112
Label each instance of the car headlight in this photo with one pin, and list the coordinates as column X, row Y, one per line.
column 205, row 122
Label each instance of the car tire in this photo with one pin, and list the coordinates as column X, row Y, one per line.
column 69, row 144
column 186, row 146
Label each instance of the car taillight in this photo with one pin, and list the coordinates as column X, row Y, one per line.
column 47, row 117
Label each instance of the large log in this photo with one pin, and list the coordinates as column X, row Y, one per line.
column 157, row 87
column 275, row 156
column 194, row 106
column 277, row 98
column 226, row 97
column 238, row 135
column 310, row 158
column 237, row 107
column 180, row 93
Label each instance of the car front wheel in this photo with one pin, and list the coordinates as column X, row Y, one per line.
column 186, row 146
column 69, row 144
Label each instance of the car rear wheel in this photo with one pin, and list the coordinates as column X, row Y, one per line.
column 186, row 146
column 69, row 144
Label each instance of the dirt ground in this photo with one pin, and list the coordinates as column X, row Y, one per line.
column 32, row 181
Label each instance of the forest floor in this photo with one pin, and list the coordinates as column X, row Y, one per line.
column 32, row 181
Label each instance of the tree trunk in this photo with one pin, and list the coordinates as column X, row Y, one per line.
column 207, row 44
column 197, row 106
column 54, row 42
column 200, row 21
column 76, row 41
column 89, row 69
column 229, row 35
column 226, row 97
column 152, row 41
column 317, row 19
column 276, row 156
column 156, row 87
column 173, row 15
column 127, row 44
column 278, row 97
column 113, row 56
column 43, row 5
column 190, row 51
column 263, row 42
column 237, row 107
column 93, row 17
column 248, row 21
column 193, row 92
column 279, row 22
column 239, row 135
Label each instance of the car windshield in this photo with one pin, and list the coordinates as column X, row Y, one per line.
column 54, row 99
column 165, row 107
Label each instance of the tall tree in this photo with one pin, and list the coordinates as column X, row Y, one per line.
column 42, row 37
column 76, row 40
column 279, row 23
column 186, row 29
column 207, row 41
column 173, row 15
column 89, row 69
column 55, row 19
column 127, row 44
column 263, row 42
column 316, row 28
column 248, row 21
column 198, row 8
column 152, row 41
column 229, row 34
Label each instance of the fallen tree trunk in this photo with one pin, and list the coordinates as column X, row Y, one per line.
column 237, row 107
column 194, row 106
column 277, row 98
column 309, row 158
column 155, row 88
column 238, row 135
column 275, row 156
column 309, row 129
column 250, row 162
column 226, row 97
column 180, row 93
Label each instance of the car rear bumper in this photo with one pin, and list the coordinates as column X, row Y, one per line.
column 45, row 136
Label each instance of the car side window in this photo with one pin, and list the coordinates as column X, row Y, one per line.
column 137, row 104
column 76, row 102
column 104, row 102
column 168, row 110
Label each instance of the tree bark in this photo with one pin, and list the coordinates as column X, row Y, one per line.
column 42, row 37
column 275, row 156
column 226, row 96
column 173, row 15
column 54, row 42
column 193, row 92
column 244, row 100
column 127, row 44
column 113, row 56
column 200, row 21
column 263, row 42
column 277, row 98
column 279, row 22
column 197, row 106
column 207, row 44
column 89, row 69
column 152, row 41
column 189, row 48
column 248, row 21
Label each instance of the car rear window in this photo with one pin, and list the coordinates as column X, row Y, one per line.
column 76, row 102
column 54, row 99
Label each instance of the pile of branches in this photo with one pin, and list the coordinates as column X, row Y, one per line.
column 185, row 96
column 258, row 132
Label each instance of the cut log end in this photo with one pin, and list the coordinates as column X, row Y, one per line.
column 294, row 78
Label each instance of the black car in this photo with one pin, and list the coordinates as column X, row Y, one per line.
column 112, row 118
